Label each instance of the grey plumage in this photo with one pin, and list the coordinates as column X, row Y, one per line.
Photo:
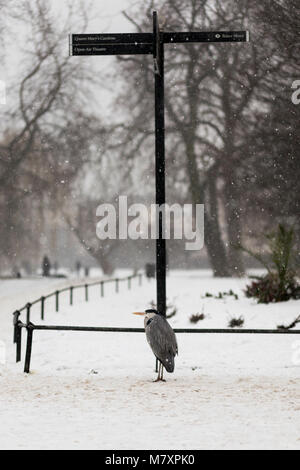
column 161, row 339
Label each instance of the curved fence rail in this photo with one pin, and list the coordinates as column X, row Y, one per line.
column 18, row 324
column 30, row 326
column 71, row 289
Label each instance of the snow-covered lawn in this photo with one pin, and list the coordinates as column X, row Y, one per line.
column 91, row 390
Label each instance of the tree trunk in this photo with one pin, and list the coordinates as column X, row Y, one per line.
column 213, row 240
column 234, row 231
column 104, row 263
column 214, row 243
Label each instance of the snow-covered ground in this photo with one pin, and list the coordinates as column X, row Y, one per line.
column 91, row 390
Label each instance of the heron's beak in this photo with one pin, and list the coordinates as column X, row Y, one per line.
column 139, row 313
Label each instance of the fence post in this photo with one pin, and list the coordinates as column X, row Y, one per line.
column 71, row 295
column 129, row 282
column 57, row 301
column 117, row 285
column 28, row 307
column 140, row 279
column 86, row 292
column 102, row 288
column 29, row 329
column 19, row 342
column 42, row 307
column 16, row 315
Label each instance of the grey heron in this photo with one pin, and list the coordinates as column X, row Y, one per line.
column 161, row 339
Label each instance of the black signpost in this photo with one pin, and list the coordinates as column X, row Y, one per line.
column 151, row 43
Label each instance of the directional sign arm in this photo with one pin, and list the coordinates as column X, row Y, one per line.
column 209, row 36
column 111, row 38
column 110, row 44
column 166, row 37
column 110, row 49
column 145, row 43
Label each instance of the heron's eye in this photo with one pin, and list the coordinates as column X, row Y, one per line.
column 149, row 321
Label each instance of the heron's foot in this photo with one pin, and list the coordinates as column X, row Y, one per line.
column 159, row 380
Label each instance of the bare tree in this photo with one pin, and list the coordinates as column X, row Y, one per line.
column 271, row 170
column 46, row 92
column 83, row 226
column 47, row 135
column 106, row 179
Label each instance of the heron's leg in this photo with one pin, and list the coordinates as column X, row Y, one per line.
column 158, row 376
column 159, row 370
column 162, row 374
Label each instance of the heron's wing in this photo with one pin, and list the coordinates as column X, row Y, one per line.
column 161, row 337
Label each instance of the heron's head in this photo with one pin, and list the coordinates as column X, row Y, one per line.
column 150, row 312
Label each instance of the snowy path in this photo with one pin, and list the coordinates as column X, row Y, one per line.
column 228, row 391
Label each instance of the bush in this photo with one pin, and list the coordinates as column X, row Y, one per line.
column 236, row 322
column 196, row 317
column 279, row 284
column 271, row 288
column 221, row 295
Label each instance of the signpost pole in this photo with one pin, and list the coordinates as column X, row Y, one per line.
column 158, row 56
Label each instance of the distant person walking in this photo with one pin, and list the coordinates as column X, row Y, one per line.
column 78, row 267
column 46, row 266
column 16, row 272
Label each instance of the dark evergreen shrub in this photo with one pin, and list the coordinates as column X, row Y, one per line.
column 270, row 288
column 279, row 284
